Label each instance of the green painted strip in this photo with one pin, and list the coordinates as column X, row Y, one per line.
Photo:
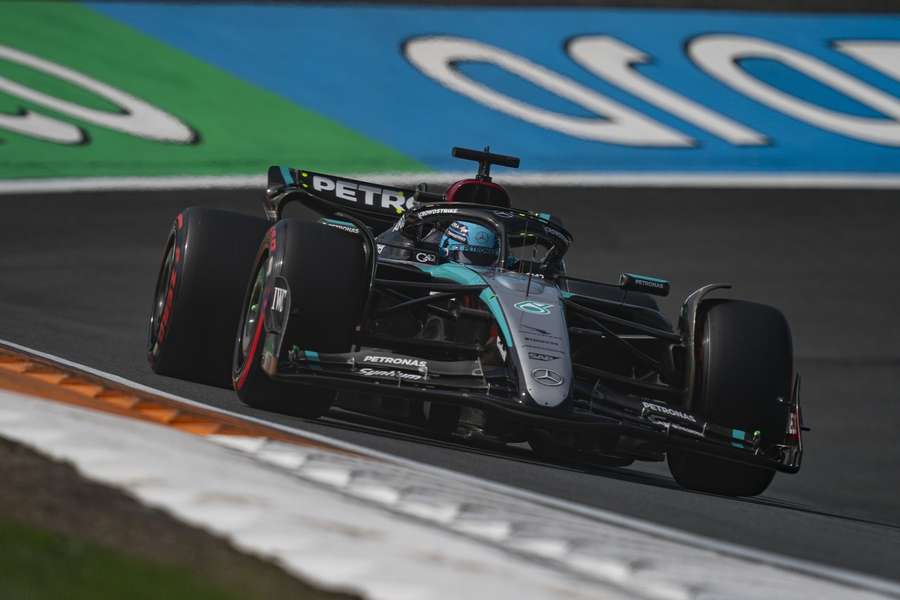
column 242, row 129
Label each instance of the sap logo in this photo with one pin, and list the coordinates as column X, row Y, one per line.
column 371, row 195
column 718, row 55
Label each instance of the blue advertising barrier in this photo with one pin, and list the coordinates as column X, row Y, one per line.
column 575, row 89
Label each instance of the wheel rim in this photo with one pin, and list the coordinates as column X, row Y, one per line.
column 253, row 312
column 162, row 288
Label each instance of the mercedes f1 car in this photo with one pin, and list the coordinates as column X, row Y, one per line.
column 460, row 307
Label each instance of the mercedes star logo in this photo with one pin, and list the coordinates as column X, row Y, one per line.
column 547, row 377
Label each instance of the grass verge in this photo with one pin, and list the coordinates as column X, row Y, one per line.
column 64, row 536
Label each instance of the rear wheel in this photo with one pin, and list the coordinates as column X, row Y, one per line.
column 208, row 257
column 324, row 271
column 743, row 382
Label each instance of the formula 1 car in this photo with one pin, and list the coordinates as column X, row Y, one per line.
column 460, row 306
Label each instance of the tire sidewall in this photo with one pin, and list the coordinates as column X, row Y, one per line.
column 282, row 254
column 166, row 333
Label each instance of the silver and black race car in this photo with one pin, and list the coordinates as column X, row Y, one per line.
column 458, row 307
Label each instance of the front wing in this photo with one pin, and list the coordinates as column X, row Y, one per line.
column 594, row 407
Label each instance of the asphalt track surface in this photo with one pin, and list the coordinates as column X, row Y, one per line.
column 78, row 272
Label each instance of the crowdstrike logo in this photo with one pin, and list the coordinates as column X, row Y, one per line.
column 438, row 211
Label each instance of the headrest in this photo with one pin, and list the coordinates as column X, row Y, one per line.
column 475, row 191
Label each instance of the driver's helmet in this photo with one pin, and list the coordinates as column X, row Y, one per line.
column 469, row 243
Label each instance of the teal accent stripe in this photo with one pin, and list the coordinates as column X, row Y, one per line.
column 545, row 217
column 466, row 276
column 738, row 435
column 488, row 297
column 286, row 174
column 311, row 356
column 646, row 277
column 338, row 222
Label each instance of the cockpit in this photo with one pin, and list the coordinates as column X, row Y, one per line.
column 480, row 236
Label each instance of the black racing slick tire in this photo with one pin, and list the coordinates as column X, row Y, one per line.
column 324, row 272
column 197, row 303
column 744, row 377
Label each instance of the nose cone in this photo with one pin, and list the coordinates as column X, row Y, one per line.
column 537, row 324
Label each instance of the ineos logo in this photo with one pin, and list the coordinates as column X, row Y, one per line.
column 425, row 257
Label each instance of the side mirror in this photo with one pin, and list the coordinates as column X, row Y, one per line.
column 645, row 284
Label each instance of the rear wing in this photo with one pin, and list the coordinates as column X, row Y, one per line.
column 375, row 205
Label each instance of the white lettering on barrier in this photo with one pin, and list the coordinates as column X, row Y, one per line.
column 720, row 55
column 137, row 118
column 618, row 124
column 612, row 60
column 881, row 55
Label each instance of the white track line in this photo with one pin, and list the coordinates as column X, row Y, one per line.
column 828, row 573
column 526, row 179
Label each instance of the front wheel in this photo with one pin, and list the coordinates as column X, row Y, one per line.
column 312, row 276
column 745, row 369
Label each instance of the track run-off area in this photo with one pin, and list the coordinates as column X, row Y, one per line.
column 79, row 271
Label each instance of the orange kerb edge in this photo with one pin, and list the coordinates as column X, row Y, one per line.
column 40, row 377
